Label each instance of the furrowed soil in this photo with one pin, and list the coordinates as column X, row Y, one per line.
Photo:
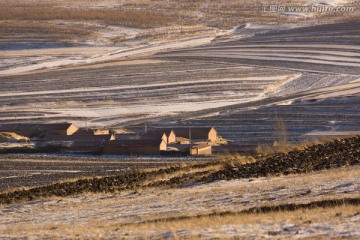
column 336, row 154
column 320, row 204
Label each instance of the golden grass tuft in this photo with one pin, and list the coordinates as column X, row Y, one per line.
column 233, row 160
column 303, row 217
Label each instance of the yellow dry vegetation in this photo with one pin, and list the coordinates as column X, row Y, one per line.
column 11, row 137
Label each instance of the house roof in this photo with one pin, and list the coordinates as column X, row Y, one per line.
column 127, row 136
column 140, row 142
column 153, row 135
column 181, row 139
column 167, row 131
column 196, row 132
column 77, row 138
column 199, row 146
column 84, row 131
column 234, row 148
column 181, row 147
column 35, row 127
column 87, row 144
column 90, row 131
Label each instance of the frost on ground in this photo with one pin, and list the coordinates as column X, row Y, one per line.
column 162, row 212
column 180, row 79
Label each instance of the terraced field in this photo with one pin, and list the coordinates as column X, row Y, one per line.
column 332, row 48
column 21, row 170
column 235, row 84
column 118, row 93
column 326, row 95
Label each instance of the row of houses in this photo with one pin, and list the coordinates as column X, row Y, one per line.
column 33, row 130
column 68, row 137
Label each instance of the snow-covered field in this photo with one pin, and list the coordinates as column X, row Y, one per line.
column 177, row 80
column 212, row 64
column 28, row 170
column 100, row 55
column 143, row 213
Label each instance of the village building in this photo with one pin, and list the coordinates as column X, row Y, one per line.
column 182, row 149
column 197, row 133
column 171, row 137
column 189, row 149
column 93, row 147
column 31, row 129
column 155, row 135
column 87, row 131
column 234, row 148
column 79, row 138
column 127, row 136
column 181, row 140
column 137, row 147
column 201, row 149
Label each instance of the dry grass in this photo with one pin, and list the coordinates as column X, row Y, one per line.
column 304, row 217
column 270, row 150
column 153, row 13
column 79, row 22
column 29, row 29
column 176, row 209
column 129, row 18
column 233, row 160
column 307, row 216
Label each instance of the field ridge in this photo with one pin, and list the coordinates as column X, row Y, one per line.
column 330, row 155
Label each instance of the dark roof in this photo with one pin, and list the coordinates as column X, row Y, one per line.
column 234, row 148
column 83, row 131
column 196, row 132
column 167, row 131
column 73, row 138
column 201, row 146
column 181, row 147
column 34, row 127
column 141, row 142
column 87, row 144
column 127, row 136
column 88, row 131
column 153, row 135
column 178, row 139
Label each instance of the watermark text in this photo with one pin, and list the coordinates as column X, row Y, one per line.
column 302, row 9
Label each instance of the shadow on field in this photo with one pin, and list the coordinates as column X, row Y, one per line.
column 334, row 154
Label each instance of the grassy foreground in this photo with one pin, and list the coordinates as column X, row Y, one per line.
column 330, row 155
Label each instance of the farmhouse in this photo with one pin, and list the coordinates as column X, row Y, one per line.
column 197, row 133
column 234, row 148
column 30, row 129
column 80, row 138
column 155, row 135
column 85, row 147
column 127, row 136
column 190, row 149
column 171, row 137
column 202, row 149
column 87, row 131
column 140, row 147
column 67, row 137
column 181, row 140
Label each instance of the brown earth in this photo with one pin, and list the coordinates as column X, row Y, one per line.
column 335, row 154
